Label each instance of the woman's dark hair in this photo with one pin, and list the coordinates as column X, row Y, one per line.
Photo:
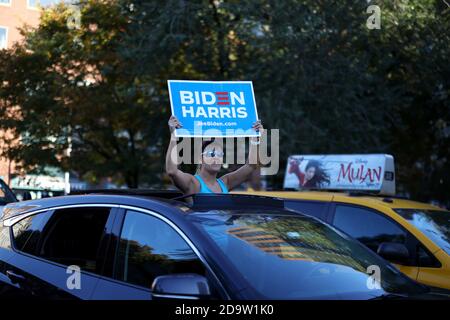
column 320, row 178
column 207, row 143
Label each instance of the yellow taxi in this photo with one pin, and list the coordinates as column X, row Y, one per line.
column 414, row 236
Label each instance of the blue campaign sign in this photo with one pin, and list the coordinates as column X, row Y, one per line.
column 213, row 108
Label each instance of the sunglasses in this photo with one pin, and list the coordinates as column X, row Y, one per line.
column 213, row 153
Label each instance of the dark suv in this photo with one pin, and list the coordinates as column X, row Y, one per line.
column 109, row 246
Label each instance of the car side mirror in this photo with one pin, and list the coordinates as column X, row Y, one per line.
column 394, row 252
column 26, row 196
column 181, row 286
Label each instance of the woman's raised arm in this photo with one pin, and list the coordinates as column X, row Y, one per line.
column 235, row 178
column 183, row 181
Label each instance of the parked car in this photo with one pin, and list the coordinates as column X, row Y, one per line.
column 109, row 246
column 6, row 194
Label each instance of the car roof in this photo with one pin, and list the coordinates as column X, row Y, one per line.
column 201, row 202
column 18, row 208
column 349, row 197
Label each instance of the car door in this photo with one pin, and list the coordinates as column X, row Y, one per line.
column 22, row 238
column 145, row 246
column 372, row 228
column 58, row 254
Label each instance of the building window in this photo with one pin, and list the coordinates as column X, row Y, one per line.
column 3, row 37
column 34, row 4
column 5, row 2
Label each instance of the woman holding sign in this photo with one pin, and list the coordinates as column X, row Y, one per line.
column 211, row 160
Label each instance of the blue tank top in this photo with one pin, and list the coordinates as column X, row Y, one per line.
column 204, row 188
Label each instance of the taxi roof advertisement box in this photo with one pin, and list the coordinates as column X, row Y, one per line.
column 213, row 108
column 363, row 172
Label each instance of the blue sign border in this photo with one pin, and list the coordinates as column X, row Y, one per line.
column 220, row 133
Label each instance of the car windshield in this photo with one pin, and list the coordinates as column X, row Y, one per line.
column 292, row 257
column 435, row 224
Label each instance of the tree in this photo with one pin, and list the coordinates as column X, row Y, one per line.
column 76, row 86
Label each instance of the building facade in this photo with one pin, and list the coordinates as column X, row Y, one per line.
column 14, row 14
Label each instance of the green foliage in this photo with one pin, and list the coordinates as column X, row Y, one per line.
column 321, row 76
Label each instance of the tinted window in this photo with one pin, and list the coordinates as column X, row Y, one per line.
column 149, row 248
column 426, row 259
column 312, row 208
column 367, row 226
column 72, row 237
column 27, row 232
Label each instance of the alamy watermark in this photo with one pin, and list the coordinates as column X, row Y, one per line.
column 73, row 281
column 374, row 20
column 74, row 19
column 374, row 280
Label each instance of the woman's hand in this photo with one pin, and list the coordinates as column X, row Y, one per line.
column 294, row 164
column 174, row 124
column 258, row 127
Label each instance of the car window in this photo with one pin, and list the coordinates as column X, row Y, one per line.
column 27, row 232
column 367, row 226
column 73, row 236
column 435, row 224
column 312, row 208
column 149, row 248
column 426, row 259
